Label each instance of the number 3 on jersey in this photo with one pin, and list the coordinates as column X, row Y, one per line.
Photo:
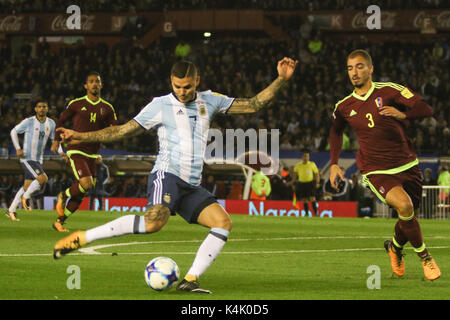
column 371, row 124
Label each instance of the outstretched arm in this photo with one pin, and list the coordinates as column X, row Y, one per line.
column 109, row 134
column 285, row 68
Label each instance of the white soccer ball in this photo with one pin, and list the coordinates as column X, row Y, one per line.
column 161, row 273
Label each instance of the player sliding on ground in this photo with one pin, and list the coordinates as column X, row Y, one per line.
column 379, row 112
column 182, row 120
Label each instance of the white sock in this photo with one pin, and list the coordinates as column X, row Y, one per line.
column 34, row 186
column 208, row 251
column 124, row 225
column 16, row 201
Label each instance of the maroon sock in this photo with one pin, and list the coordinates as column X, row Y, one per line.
column 72, row 205
column 399, row 236
column 411, row 230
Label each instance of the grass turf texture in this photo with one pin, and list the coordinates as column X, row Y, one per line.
column 265, row 258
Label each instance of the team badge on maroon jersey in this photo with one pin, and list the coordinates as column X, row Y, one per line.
column 379, row 102
column 382, row 190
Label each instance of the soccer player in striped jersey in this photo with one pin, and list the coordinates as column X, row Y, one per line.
column 379, row 113
column 182, row 119
column 37, row 131
column 88, row 113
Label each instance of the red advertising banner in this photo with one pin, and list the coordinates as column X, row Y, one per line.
column 117, row 204
column 328, row 209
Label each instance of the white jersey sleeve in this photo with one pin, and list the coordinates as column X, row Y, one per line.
column 19, row 129
column 150, row 116
column 221, row 102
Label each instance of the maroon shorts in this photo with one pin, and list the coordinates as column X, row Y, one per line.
column 410, row 180
column 83, row 166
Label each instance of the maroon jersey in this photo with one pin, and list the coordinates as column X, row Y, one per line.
column 88, row 116
column 383, row 140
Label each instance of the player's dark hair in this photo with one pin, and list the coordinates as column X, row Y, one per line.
column 92, row 73
column 35, row 102
column 361, row 53
column 183, row 69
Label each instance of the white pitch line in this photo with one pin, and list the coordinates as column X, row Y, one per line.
column 222, row 253
column 92, row 250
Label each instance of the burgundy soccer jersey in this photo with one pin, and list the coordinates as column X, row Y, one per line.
column 383, row 140
column 88, row 116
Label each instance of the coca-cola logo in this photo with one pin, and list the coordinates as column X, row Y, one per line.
column 388, row 19
column 441, row 19
column 59, row 23
column 11, row 24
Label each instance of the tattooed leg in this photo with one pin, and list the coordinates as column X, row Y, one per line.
column 156, row 217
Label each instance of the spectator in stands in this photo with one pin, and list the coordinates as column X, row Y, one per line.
column 182, row 50
column 210, row 184
column 4, row 152
column 428, row 179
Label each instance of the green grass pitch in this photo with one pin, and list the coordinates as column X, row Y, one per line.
column 265, row 258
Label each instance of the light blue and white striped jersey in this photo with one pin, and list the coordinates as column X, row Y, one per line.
column 182, row 131
column 36, row 136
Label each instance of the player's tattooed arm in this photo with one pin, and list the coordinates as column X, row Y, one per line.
column 109, row 134
column 260, row 101
column 285, row 68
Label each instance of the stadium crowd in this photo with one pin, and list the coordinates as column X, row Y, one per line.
column 238, row 67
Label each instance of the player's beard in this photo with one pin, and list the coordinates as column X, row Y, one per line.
column 95, row 92
column 363, row 82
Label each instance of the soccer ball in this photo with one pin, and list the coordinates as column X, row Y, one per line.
column 161, row 273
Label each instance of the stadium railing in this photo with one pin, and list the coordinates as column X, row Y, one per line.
column 435, row 204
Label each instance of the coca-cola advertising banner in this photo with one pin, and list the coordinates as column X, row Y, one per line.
column 404, row 20
column 47, row 24
column 101, row 23
column 325, row 209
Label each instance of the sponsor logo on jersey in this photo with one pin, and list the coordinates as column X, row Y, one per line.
column 180, row 112
column 83, row 109
column 352, row 113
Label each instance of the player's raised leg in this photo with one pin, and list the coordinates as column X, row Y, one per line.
column 154, row 219
column 408, row 229
column 218, row 220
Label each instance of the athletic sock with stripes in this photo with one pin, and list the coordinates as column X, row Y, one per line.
column 208, row 252
column 121, row 226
